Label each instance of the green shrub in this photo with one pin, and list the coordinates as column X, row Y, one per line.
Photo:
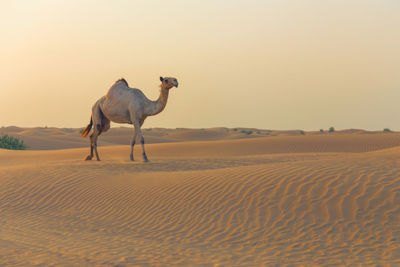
column 331, row 129
column 321, row 130
column 302, row 132
column 246, row 132
column 387, row 130
column 9, row 142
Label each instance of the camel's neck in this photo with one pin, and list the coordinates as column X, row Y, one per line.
column 157, row 106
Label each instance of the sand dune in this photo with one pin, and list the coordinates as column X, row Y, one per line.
column 43, row 138
column 314, row 200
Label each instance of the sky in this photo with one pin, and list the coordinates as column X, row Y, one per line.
column 298, row 64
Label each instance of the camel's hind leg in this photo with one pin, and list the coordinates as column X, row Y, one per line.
column 101, row 124
column 93, row 145
column 98, row 129
column 93, row 139
column 90, row 156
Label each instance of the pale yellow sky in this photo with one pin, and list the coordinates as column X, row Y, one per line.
column 269, row 64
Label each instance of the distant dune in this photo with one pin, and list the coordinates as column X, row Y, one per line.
column 41, row 138
column 283, row 199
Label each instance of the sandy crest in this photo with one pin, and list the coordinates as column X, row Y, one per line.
column 247, row 202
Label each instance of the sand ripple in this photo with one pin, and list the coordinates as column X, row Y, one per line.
column 262, row 210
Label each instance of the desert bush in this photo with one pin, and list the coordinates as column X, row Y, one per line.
column 302, row 132
column 321, row 130
column 9, row 142
column 387, row 130
column 331, row 129
column 246, row 132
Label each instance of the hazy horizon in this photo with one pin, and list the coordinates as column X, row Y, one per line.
column 260, row 64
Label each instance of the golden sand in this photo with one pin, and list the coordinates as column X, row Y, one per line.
column 313, row 200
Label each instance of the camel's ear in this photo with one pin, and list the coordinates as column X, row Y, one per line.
column 161, row 78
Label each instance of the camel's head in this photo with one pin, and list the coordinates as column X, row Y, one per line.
column 168, row 82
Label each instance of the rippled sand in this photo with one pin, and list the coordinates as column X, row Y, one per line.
column 322, row 200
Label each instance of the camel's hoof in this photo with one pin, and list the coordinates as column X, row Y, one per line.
column 88, row 158
column 146, row 160
column 131, row 158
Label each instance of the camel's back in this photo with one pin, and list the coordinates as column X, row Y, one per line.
column 121, row 92
column 118, row 89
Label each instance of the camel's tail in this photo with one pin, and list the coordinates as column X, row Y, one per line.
column 86, row 131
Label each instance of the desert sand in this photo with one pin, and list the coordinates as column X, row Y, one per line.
column 48, row 138
column 227, row 199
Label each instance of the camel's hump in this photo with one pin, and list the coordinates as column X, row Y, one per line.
column 122, row 80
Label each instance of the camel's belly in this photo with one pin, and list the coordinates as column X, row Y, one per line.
column 118, row 119
column 118, row 115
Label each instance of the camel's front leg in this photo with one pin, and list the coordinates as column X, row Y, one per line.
column 133, row 141
column 139, row 132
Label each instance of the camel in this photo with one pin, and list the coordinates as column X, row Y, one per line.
column 123, row 104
